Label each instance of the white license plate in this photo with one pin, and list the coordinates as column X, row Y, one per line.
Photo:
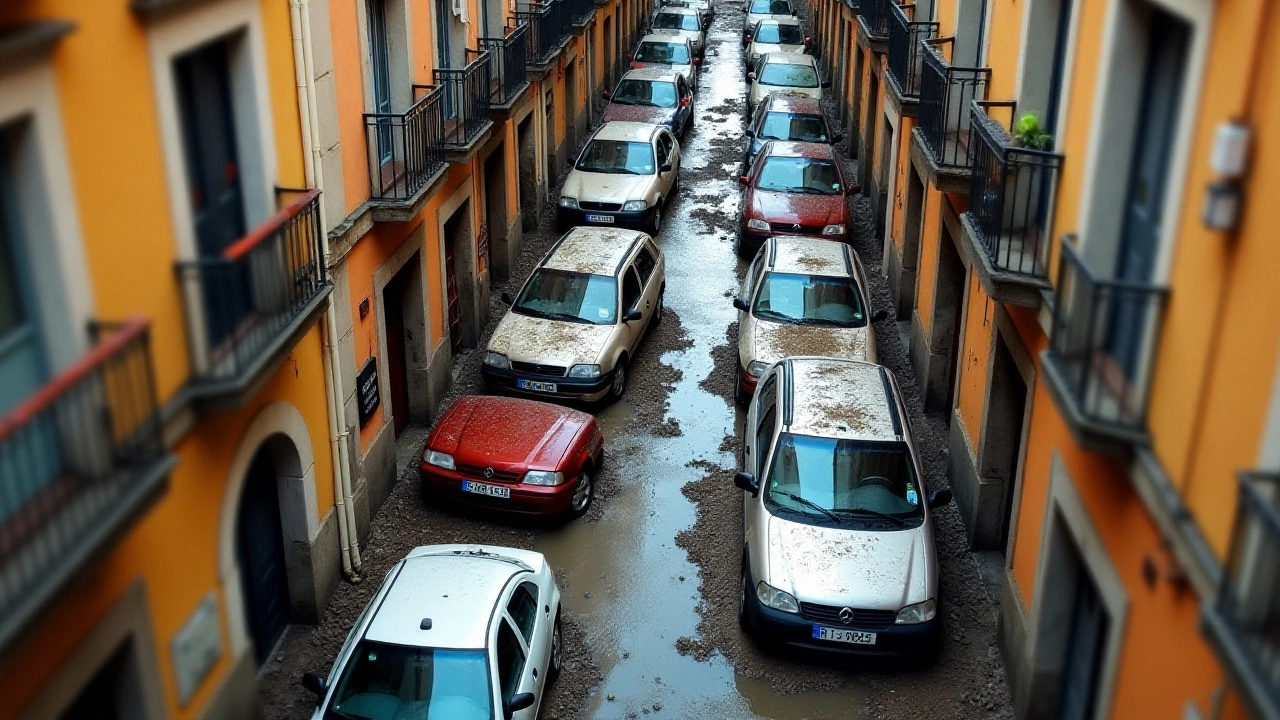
column 606, row 219
column 485, row 489
column 856, row 637
column 535, row 385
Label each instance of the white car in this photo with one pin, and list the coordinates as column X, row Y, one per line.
column 456, row 632
column 757, row 10
column 624, row 176
column 669, row 51
column 776, row 35
column 791, row 72
column 681, row 22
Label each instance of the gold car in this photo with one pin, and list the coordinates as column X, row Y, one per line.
column 575, row 325
column 626, row 173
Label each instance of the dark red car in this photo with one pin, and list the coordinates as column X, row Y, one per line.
column 514, row 455
column 793, row 188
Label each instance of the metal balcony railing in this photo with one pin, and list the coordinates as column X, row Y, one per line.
column 875, row 16
column 243, row 303
column 79, row 459
column 945, row 94
column 576, row 11
column 546, row 29
column 466, row 98
column 508, row 77
column 905, row 53
column 1101, row 344
column 406, row 149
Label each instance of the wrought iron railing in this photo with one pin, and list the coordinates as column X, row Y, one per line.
column 74, row 456
column 576, row 11
column 241, row 301
column 546, row 29
column 945, row 94
column 905, row 53
column 406, row 149
column 875, row 15
column 508, row 76
column 1102, row 341
column 466, row 98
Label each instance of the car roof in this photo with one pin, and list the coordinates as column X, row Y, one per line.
column 813, row 256
column 660, row 38
column 652, row 73
column 455, row 586
column 625, row 130
column 840, row 398
column 788, row 58
column 676, row 10
column 779, row 20
column 794, row 103
column 791, row 148
column 593, row 250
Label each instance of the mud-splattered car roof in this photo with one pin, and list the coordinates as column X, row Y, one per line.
column 625, row 131
column 793, row 102
column 789, row 148
column 598, row 251
column 846, row 399
column 652, row 74
column 805, row 255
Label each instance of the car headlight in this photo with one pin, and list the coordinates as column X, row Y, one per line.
column 584, row 371
column 778, row 600
column 439, row 459
column 833, row 230
column 543, row 477
column 754, row 224
column 568, row 202
column 498, row 360
column 918, row 613
column 757, row 368
column 634, row 205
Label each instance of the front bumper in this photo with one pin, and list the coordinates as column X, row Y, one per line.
column 588, row 389
column 571, row 217
column 441, row 484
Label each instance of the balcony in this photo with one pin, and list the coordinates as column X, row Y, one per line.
column 906, row 57
column 1011, row 193
column 80, row 461
column 466, row 93
column 249, row 306
column 548, row 35
column 579, row 14
column 508, row 80
column 1243, row 624
column 406, row 154
column 1101, row 343
column 873, row 24
column 944, row 132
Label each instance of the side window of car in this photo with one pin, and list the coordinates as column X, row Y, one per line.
column 630, row 289
column 664, row 148
column 645, row 263
column 753, row 276
column 523, row 609
column 768, row 415
column 510, row 661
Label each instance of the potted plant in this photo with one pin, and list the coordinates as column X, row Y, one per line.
column 1027, row 133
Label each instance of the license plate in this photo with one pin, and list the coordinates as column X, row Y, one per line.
column 606, row 219
column 485, row 489
column 844, row 635
column 535, row 385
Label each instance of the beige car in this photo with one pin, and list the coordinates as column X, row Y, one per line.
column 575, row 325
column 802, row 296
column 756, row 10
column 792, row 72
column 776, row 35
column 626, row 173
column 683, row 22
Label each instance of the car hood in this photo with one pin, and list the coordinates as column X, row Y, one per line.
column 548, row 342
column 769, row 342
column 685, row 70
column 486, row 437
column 695, row 36
column 762, row 48
column 780, row 207
column 606, row 187
column 638, row 113
column 872, row 570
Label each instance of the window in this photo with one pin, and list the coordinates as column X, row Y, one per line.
column 771, row 7
column 753, row 274
column 569, row 296
column 809, row 300
column 22, row 357
column 523, row 609
column 646, row 261
column 676, row 21
column 382, row 680
column 630, row 290
column 510, row 661
column 806, row 176
column 817, row 476
column 779, row 34
column 682, row 87
column 791, row 126
column 665, row 145
column 769, row 413
column 617, row 157
column 788, row 75
column 664, row 53
column 651, row 93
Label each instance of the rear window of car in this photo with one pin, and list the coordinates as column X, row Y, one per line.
column 780, row 34
column 788, row 75
column 668, row 53
column 654, row 93
column 791, row 126
column 770, row 7
column 676, row 21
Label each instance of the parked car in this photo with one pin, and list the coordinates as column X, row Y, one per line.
column 514, row 455
column 706, row 11
column 802, row 296
column 575, row 325
column 786, row 116
column 775, row 35
column 783, row 71
column 652, row 95
column 455, row 632
column 681, row 22
column 839, row 555
column 757, row 10
column 624, row 176
column 793, row 189
column 666, row 51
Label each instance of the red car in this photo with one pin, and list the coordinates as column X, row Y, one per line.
column 794, row 188
column 515, row 455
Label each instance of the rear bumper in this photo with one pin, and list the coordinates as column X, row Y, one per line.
column 441, row 484
column 588, row 389
column 751, row 240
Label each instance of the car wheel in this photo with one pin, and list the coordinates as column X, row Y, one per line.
column 657, row 312
column 675, row 187
column 656, row 223
column 740, row 395
column 619, row 384
column 583, row 493
column 557, row 651
column 744, row 620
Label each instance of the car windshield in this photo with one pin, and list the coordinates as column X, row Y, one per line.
column 617, row 156
column 668, row 53
column 676, row 21
column 789, row 126
column 788, row 75
column 809, row 300
column 571, row 296
column 645, row 92
column 779, row 34
column 770, row 7
column 389, row 682
column 799, row 175
column 843, row 477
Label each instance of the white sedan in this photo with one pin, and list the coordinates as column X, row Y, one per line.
column 456, row 632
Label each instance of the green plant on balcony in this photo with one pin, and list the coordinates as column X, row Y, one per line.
column 1028, row 133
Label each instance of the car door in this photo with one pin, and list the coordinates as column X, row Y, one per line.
column 684, row 104
column 633, row 299
column 514, row 671
column 646, row 265
column 662, row 146
column 534, row 629
column 761, row 424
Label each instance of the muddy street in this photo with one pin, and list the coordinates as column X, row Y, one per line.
column 649, row 577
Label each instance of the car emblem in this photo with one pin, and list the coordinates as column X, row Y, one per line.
column 795, row 227
column 846, row 615
column 488, row 472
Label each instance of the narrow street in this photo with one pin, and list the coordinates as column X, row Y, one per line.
column 650, row 575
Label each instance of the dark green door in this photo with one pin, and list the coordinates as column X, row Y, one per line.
column 260, row 548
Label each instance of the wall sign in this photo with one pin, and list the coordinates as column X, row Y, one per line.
column 482, row 246
column 367, row 397
column 196, row 647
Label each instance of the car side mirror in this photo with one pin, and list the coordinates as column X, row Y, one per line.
column 748, row 482
column 749, row 132
column 826, row 83
column 314, row 682
column 741, row 305
column 666, row 167
column 697, row 61
column 879, row 316
column 744, row 180
column 606, row 94
column 838, row 137
column 507, row 299
column 516, row 703
column 684, row 102
column 853, row 189
column 808, row 41
column 938, row 498
column 751, row 76
column 632, row 316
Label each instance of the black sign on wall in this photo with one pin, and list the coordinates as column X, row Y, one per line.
column 367, row 397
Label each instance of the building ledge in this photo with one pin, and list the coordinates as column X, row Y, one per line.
column 904, row 105
column 581, row 24
column 1256, row 690
column 876, row 43
column 505, row 110
column 461, row 154
column 539, row 68
column 1003, row 286
column 1091, row 435
column 32, row 41
column 946, row 178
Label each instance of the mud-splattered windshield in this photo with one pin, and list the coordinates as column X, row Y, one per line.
column 569, row 296
column 838, row 479
column 809, row 300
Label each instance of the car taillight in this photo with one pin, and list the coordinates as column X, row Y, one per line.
column 636, row 65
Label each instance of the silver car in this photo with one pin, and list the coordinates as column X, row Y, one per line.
column 776, row 35
column 757, row 10
column 682, row 22
column 670, row 52
column 838, row 552
column 624, row 176
column 777, row 72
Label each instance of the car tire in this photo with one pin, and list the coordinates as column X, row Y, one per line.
column 556, row 663
column 657, row 312
column 656, row 224
column 618, row 386
column 744, row 618
column 675, row 187
column 740, row 395
column 583, row 493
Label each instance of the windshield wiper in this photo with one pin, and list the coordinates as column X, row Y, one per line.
column 807, row 191
column 867, row 511
column 563, row 316
column 824, row 322
column 809, row 504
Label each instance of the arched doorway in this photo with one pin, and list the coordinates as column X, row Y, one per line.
column 264, row 577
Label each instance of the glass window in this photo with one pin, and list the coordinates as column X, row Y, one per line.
column 645, row 92
column 630, row 290
column 779, row 34
column 764, row 430
column 617, row 156
column 790, row 126
column 809, row 300
column 676, row 21
column 665, row 145
column 523, row 609
column 11, row 312
column 788, row 75
column 387, row 682
column 846, row 477
column 771, row 7
column 510, row 661
column 799, row 175
column 646, row 261
column 570, row 296
column 667, row 53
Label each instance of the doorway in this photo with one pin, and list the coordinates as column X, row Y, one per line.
column 882, row 175
column 495, row 211
column 394, row 331
column 549, row 128
column 1078, row 692
column 948, row 311
column 913, row 218
column 1002, row 446
column 460, row 283
column 260, row 550
column 610, row 62
column 866, row 158
column 852, row 132
column 570, row 106
column 114, row 692
column 527, row 182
